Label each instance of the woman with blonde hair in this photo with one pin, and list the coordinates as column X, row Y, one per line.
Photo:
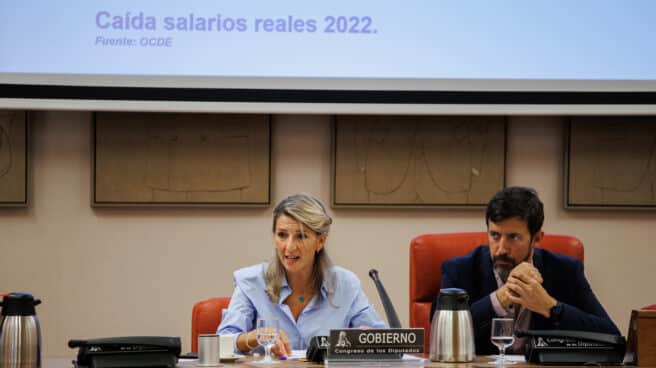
column 299, row 286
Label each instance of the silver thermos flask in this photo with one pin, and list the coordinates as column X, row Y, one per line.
column 20, row 335
column 452, row 331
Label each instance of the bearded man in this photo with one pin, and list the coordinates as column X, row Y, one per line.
column 510, row 278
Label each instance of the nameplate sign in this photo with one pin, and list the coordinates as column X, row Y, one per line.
column 375, row 344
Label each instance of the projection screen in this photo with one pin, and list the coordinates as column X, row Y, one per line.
column 357, row 56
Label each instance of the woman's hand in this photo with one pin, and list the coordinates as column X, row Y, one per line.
column 246, row 341
column 282, row 347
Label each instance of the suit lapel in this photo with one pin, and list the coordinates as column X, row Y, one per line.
column 539, row 264
column 489, row 282
column 537, row 321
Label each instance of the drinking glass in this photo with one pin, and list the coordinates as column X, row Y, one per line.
column 267, row 335
column 502, row 336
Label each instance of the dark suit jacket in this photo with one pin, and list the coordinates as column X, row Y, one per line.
column 563, row 279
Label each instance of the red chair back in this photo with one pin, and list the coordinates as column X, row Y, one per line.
column 206, row 318
column 427, row 252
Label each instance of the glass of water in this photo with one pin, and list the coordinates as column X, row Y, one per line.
column 502, row 336
column 267, row 335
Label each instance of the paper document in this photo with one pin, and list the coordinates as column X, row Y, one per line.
column 513, row 358
column 297, row 354
column 411, row 357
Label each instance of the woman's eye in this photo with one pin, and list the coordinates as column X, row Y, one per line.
column 282, row 235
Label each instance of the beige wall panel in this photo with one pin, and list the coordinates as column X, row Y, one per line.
column 418, row 160
column 13, row 158
column 157, row 158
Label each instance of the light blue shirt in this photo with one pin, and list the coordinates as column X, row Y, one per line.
column 349, row 307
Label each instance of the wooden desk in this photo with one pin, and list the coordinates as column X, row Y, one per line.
column 480, row 361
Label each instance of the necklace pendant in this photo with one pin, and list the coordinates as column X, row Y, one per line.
column 301, row 299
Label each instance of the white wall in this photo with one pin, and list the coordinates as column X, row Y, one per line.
column 131, row 271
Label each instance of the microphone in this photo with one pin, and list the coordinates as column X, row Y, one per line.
column 392, row 317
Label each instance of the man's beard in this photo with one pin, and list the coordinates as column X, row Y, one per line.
column 503, row 270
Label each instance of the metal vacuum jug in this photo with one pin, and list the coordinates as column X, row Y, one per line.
column 20, row 335
column 452, row 331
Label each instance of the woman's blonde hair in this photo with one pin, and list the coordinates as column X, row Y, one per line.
column 308, row 211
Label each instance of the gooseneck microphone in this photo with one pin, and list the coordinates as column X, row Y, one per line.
column 392, row 317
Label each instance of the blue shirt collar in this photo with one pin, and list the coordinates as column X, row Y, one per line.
column 286, row 290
